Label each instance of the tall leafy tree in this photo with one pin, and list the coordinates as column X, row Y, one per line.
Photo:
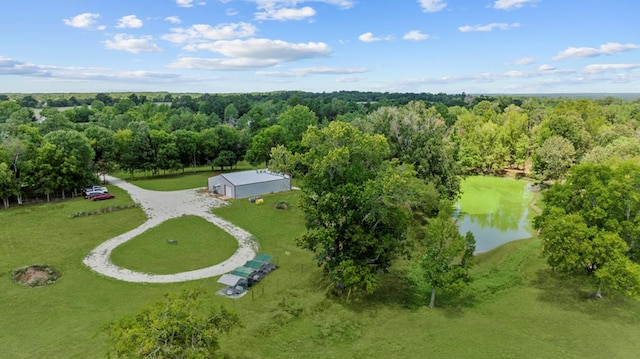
column 357, row 205
column 179, row 326
column 263, row 142
column 216, row 145
column 591, row 225
column 187, row 147
column 78, row 169
column 164, row 151
column 7, row 108
column 295, row 120
column 103, row 144
column 554, row 158
column 418, row 136
column 444, row 265
column 7, row 183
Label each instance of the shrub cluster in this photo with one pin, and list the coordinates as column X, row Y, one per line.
column 282, row 205
column 102, row 210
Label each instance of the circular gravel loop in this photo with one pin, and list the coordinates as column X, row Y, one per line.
column 159, row 207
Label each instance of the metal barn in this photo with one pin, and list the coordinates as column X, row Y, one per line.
column 248, row 183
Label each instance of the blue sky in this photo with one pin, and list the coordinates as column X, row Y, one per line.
column 238, row 46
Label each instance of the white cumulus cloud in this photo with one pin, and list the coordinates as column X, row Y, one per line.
column 267, row 49
column 415, row 35
column 599, row 68
column 432, row 5
column 203, row 32
column 488, row 27
column 511, row 4
column 251, row 53
column 173, row 19
column 130, row 22
column 184, row 3
column 368, row 37
column 136, row 45
column 285, row 14
column 82, row 21
column 606, row 49
column 262, row 4
column 546, row 68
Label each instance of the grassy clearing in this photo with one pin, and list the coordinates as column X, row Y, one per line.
column 191, row 177
column 514, row 309
column 199, row 244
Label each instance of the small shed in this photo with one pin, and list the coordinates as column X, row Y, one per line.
column 248, row 183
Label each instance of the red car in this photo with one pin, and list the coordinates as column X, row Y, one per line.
column 100, row 197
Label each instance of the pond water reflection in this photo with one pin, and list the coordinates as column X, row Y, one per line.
column 495, row 210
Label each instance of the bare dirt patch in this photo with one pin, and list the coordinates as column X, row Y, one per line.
column 36, row 275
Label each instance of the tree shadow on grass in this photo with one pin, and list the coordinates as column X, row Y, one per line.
column 396, row 291
column 575, row 294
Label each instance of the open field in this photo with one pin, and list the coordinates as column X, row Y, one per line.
column 192, row 177
column 514, row 309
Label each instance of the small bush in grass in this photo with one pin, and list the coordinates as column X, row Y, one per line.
column 281, row 205
column 102, row 210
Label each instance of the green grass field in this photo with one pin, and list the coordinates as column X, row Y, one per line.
column 199, row 244
column 514, row 309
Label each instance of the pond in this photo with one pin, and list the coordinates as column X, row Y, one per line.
column 495, row 209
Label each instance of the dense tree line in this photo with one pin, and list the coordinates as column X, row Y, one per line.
column 455, row 135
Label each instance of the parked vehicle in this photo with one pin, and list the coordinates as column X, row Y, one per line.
column 102, row 196
column 94, row 188
column 91, row 194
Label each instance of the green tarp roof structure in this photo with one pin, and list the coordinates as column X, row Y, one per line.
column 263, row 257
column 254, row 264
column 243, row 272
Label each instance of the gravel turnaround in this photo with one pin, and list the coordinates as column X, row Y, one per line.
column 159, row 207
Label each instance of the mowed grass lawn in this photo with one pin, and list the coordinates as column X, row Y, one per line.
column 197, row 244
column 514, row 309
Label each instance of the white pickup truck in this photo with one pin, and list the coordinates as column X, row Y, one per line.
column 94, row 191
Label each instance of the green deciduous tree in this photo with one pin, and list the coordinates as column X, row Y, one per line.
column 447, row 256
column 7, row 183
column 554, row 157
column 263, row 142
column 295, row 120
column 591, row 225
column 176, row 327
column 77, row 168
column 417, row 135
column 217, row 143
column 103, row 144
column 357, row 205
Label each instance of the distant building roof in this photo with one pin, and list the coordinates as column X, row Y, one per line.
column 252, row 176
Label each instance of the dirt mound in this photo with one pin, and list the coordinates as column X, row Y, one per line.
column 36, row 275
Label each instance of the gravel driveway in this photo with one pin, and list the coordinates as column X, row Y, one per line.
column 159, row 207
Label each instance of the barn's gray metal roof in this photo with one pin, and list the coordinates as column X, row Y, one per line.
column 252, row 176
